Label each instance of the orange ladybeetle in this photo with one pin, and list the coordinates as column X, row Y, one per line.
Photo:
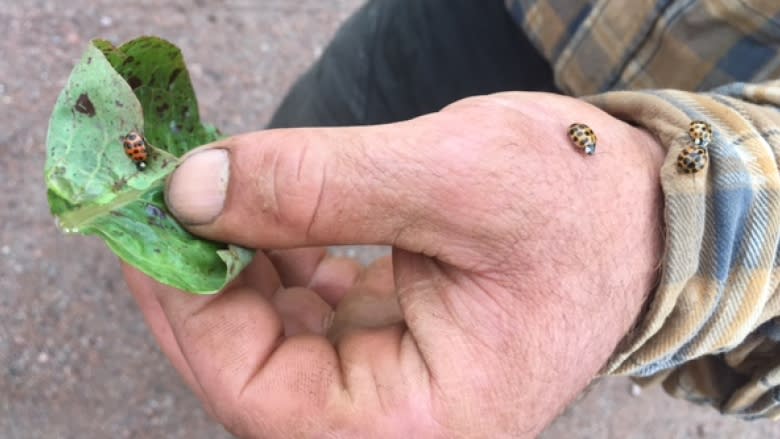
column 135, row 148
column 692, row 159
column 701, row 133
column 583, row 137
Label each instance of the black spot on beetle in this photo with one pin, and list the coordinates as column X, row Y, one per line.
column 89, row 60
column 134, row 82
column 119, row 104
column 84, row 105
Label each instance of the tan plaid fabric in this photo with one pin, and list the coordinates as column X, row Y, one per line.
column 601, row 45
column 712, row 330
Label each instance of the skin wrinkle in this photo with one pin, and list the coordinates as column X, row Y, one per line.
column 496, row 312
column 375, row 176
column 301, row 159
column 320, row 196
column 435, row 187
column 378, row 387
column 380, row 391
column 220, row 413
column 444, row 181
column 299, row 385
column 274, row 189
column 406, row 346
column 258, row 369
column 434, row 387
column 258, row 194
column 405, row 204
column 463, row 328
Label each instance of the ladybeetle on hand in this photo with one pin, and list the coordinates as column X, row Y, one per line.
column 135, row 148
column 583, row 137
column 692, row 159
column 701, row 133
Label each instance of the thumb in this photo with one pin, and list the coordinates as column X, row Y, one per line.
column 300, row 187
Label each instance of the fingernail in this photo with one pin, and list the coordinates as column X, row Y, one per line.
column 196, row 190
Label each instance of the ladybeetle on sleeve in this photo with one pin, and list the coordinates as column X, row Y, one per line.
column 135, row 148
column 583, row 137
column 692, row 159
column 701, row 133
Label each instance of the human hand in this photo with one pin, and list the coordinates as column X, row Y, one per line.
column 518, row 265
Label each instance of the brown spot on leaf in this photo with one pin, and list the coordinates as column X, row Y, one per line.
column 119, row 185
column 84, row 105
column 162, row 108
column 134, row 82
column 128, row 60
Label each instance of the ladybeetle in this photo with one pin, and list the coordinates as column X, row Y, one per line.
column 701, row 133
column 583, row 137
column 692, row 159
column 135, row 148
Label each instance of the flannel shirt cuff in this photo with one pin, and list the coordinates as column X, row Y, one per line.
column 711, row 331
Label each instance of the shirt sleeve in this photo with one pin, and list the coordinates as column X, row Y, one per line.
column 711, row 331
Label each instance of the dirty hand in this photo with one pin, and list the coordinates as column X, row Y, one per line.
column 518, row 264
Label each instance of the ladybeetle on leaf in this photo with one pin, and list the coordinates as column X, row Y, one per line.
column 583, row 137
column 701, row 133
column 692, row 159
column 135, row 148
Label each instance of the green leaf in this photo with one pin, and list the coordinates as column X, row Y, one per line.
column 94, row 189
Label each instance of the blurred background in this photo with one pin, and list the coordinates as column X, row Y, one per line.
column 76, row 359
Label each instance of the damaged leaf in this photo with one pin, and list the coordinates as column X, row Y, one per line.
column 94, row 189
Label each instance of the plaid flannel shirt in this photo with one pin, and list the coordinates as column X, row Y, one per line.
column 711, row 332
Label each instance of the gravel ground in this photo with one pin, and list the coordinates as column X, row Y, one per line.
column 76, row 360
